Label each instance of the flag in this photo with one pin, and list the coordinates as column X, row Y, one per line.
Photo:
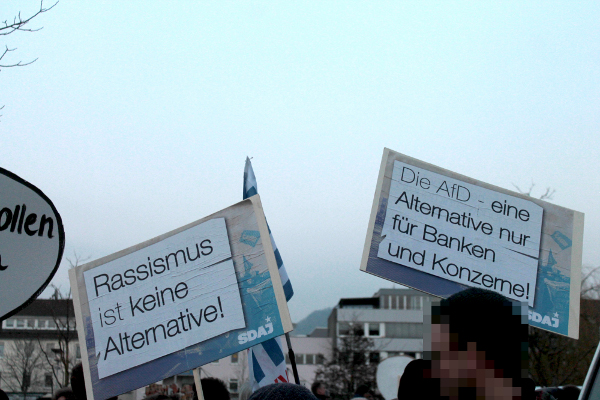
column 266, row 362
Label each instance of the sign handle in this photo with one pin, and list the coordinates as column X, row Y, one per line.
column 198, row 384
column 292, row 358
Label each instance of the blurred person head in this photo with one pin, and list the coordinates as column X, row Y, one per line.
column 320, row 391
column 64, row 394
column 214, row 389
column 478, row 346
column 361, row 391
column 3, row 395
column 277, row 391
column 78, row 382
column 569, row 392
column 413, row 383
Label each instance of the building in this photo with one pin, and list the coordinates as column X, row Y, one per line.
column 393, row 318
column 37, row 345
column 310, row 351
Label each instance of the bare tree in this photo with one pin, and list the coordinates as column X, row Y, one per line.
column 590, row 283
column 547, row 195
column 61, row 361
column 557, row 360
column 19, row 23
column 349, row 365
column 22, row 366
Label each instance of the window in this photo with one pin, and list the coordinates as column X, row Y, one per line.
column 404, row 330
column 374, row 329
column 233, row 385
column 299, row 359
column 77, row 351
column 235, row 358
column 343, row 328
column 287, row 358
column 309, row 359
column 21, row 323
column 10, row 323
column 49, row 347
column 320, row 359
column 48, row 380
column 373, row 358
column 359, row 358
column 415, row 303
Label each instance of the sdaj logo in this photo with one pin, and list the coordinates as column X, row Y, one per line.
column 252, row 334
column 546, row 320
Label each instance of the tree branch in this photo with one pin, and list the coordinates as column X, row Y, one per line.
column 18, row 23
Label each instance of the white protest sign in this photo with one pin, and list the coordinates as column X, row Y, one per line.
column 163, row 298
column 440, row 232
column 32, row 240
column 462, row 232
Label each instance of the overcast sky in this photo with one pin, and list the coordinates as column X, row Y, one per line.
column 137, row 116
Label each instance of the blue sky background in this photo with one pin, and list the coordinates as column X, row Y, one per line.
column 137, row 117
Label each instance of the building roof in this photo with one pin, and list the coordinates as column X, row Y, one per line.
column 47, row 308
column 359, row 302
column 399, row 291
column 42, row 309
column 319, row 332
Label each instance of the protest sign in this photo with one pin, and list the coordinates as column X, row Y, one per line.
column 440, row 232
column 179, row 301
column 32, row 240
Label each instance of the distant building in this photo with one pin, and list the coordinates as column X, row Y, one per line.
column 393, row 318
column 310, row 351
column 43, row 325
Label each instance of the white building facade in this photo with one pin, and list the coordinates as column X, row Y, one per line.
column 393, row 318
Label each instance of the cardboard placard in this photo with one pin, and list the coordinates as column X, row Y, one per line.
column 32, row 241
column 179, row 301
column 440, row 232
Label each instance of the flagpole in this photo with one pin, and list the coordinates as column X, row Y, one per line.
column 198, row 383
column 274, row 349
column 292, row 358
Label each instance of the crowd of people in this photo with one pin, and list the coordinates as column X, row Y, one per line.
column 475, row 348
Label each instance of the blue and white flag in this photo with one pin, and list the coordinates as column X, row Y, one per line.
column 266, row 361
